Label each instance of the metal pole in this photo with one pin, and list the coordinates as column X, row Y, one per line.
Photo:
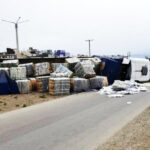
column 17, row 41
column 89, row 47
column 16, row 29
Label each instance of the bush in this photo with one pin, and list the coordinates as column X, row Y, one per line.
column 24, row 105
column 42, row 96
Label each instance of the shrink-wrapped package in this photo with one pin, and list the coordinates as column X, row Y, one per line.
column 79, row 84
column 41, row 69
column 85, row 69
column 54, row 66
column 24, row 86
column 18, row 73
column 10, row 63
column 29, row 69
column 42, row 83
column 59, row 86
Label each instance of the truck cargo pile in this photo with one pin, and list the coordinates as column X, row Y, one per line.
column 73, row 76
column 76, row 75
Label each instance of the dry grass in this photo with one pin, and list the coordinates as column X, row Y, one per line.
column 12, row 102
column 134, row 136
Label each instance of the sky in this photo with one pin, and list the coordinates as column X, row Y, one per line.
column 116, row 26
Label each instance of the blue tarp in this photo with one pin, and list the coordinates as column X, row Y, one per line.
column 7, row 85
column 112, row 68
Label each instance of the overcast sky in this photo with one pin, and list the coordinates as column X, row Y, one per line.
column 117, row 26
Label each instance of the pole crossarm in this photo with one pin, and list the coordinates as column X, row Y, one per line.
column 16, row 29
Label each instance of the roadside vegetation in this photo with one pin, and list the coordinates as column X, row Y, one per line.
column 12, row 102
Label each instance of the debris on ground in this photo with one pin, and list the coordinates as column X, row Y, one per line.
column 120, row 88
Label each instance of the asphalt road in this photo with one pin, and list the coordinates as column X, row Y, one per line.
column 77, row 122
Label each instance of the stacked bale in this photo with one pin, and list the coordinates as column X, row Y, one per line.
column 42, row 84
column 42, row 69
column 104, row 80
column 33, row 83
column 59, row 86
column 98, row 82
column 85, row 69
column 72, row 62
column 54, row 66
column 79, row 84
column 18, row 73
column 24, row 86
column 62, row 71
column 10, row 63
column 29, row 69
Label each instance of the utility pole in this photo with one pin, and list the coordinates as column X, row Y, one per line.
column 89, row 41
column 16, row 29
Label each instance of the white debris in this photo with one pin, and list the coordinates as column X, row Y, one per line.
column 120, row 88
column 115, row 95
column 129, row 102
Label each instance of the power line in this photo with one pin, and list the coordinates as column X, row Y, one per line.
column 16, row 29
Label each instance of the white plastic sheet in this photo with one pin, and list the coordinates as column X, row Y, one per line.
column 122, row 88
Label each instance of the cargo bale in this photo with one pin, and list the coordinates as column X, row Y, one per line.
column 29, row 69
column 18, row 73
column 59, row 86
column 54, row 66
column 33, row 83
column 85, row 69
column 96, row 82
column 42, row 84
column 79, row 84
column 62, row 71
column 24, row 86
column 10, row 63
column 41, row 69
column 104, row 80
column 72, row 62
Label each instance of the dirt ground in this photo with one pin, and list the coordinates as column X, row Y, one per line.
column 12, row 102
column 134, row 136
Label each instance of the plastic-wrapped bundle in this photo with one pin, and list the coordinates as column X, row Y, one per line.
column 29, row 69
column 96, row 82
column 72, row 62
column 7, row 70
column 54, row 66
column 59, row 86
column 97, row 64
column 24, row 86
column 104, row 80
column 62, row 71
column 42, row 69
column 85, row 69
column 18, row 73
column 79, row 84
column 10, row 63
column 33, row 83
column 42, row 84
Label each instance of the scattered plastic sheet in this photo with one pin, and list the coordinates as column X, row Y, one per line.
column 121, row 88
